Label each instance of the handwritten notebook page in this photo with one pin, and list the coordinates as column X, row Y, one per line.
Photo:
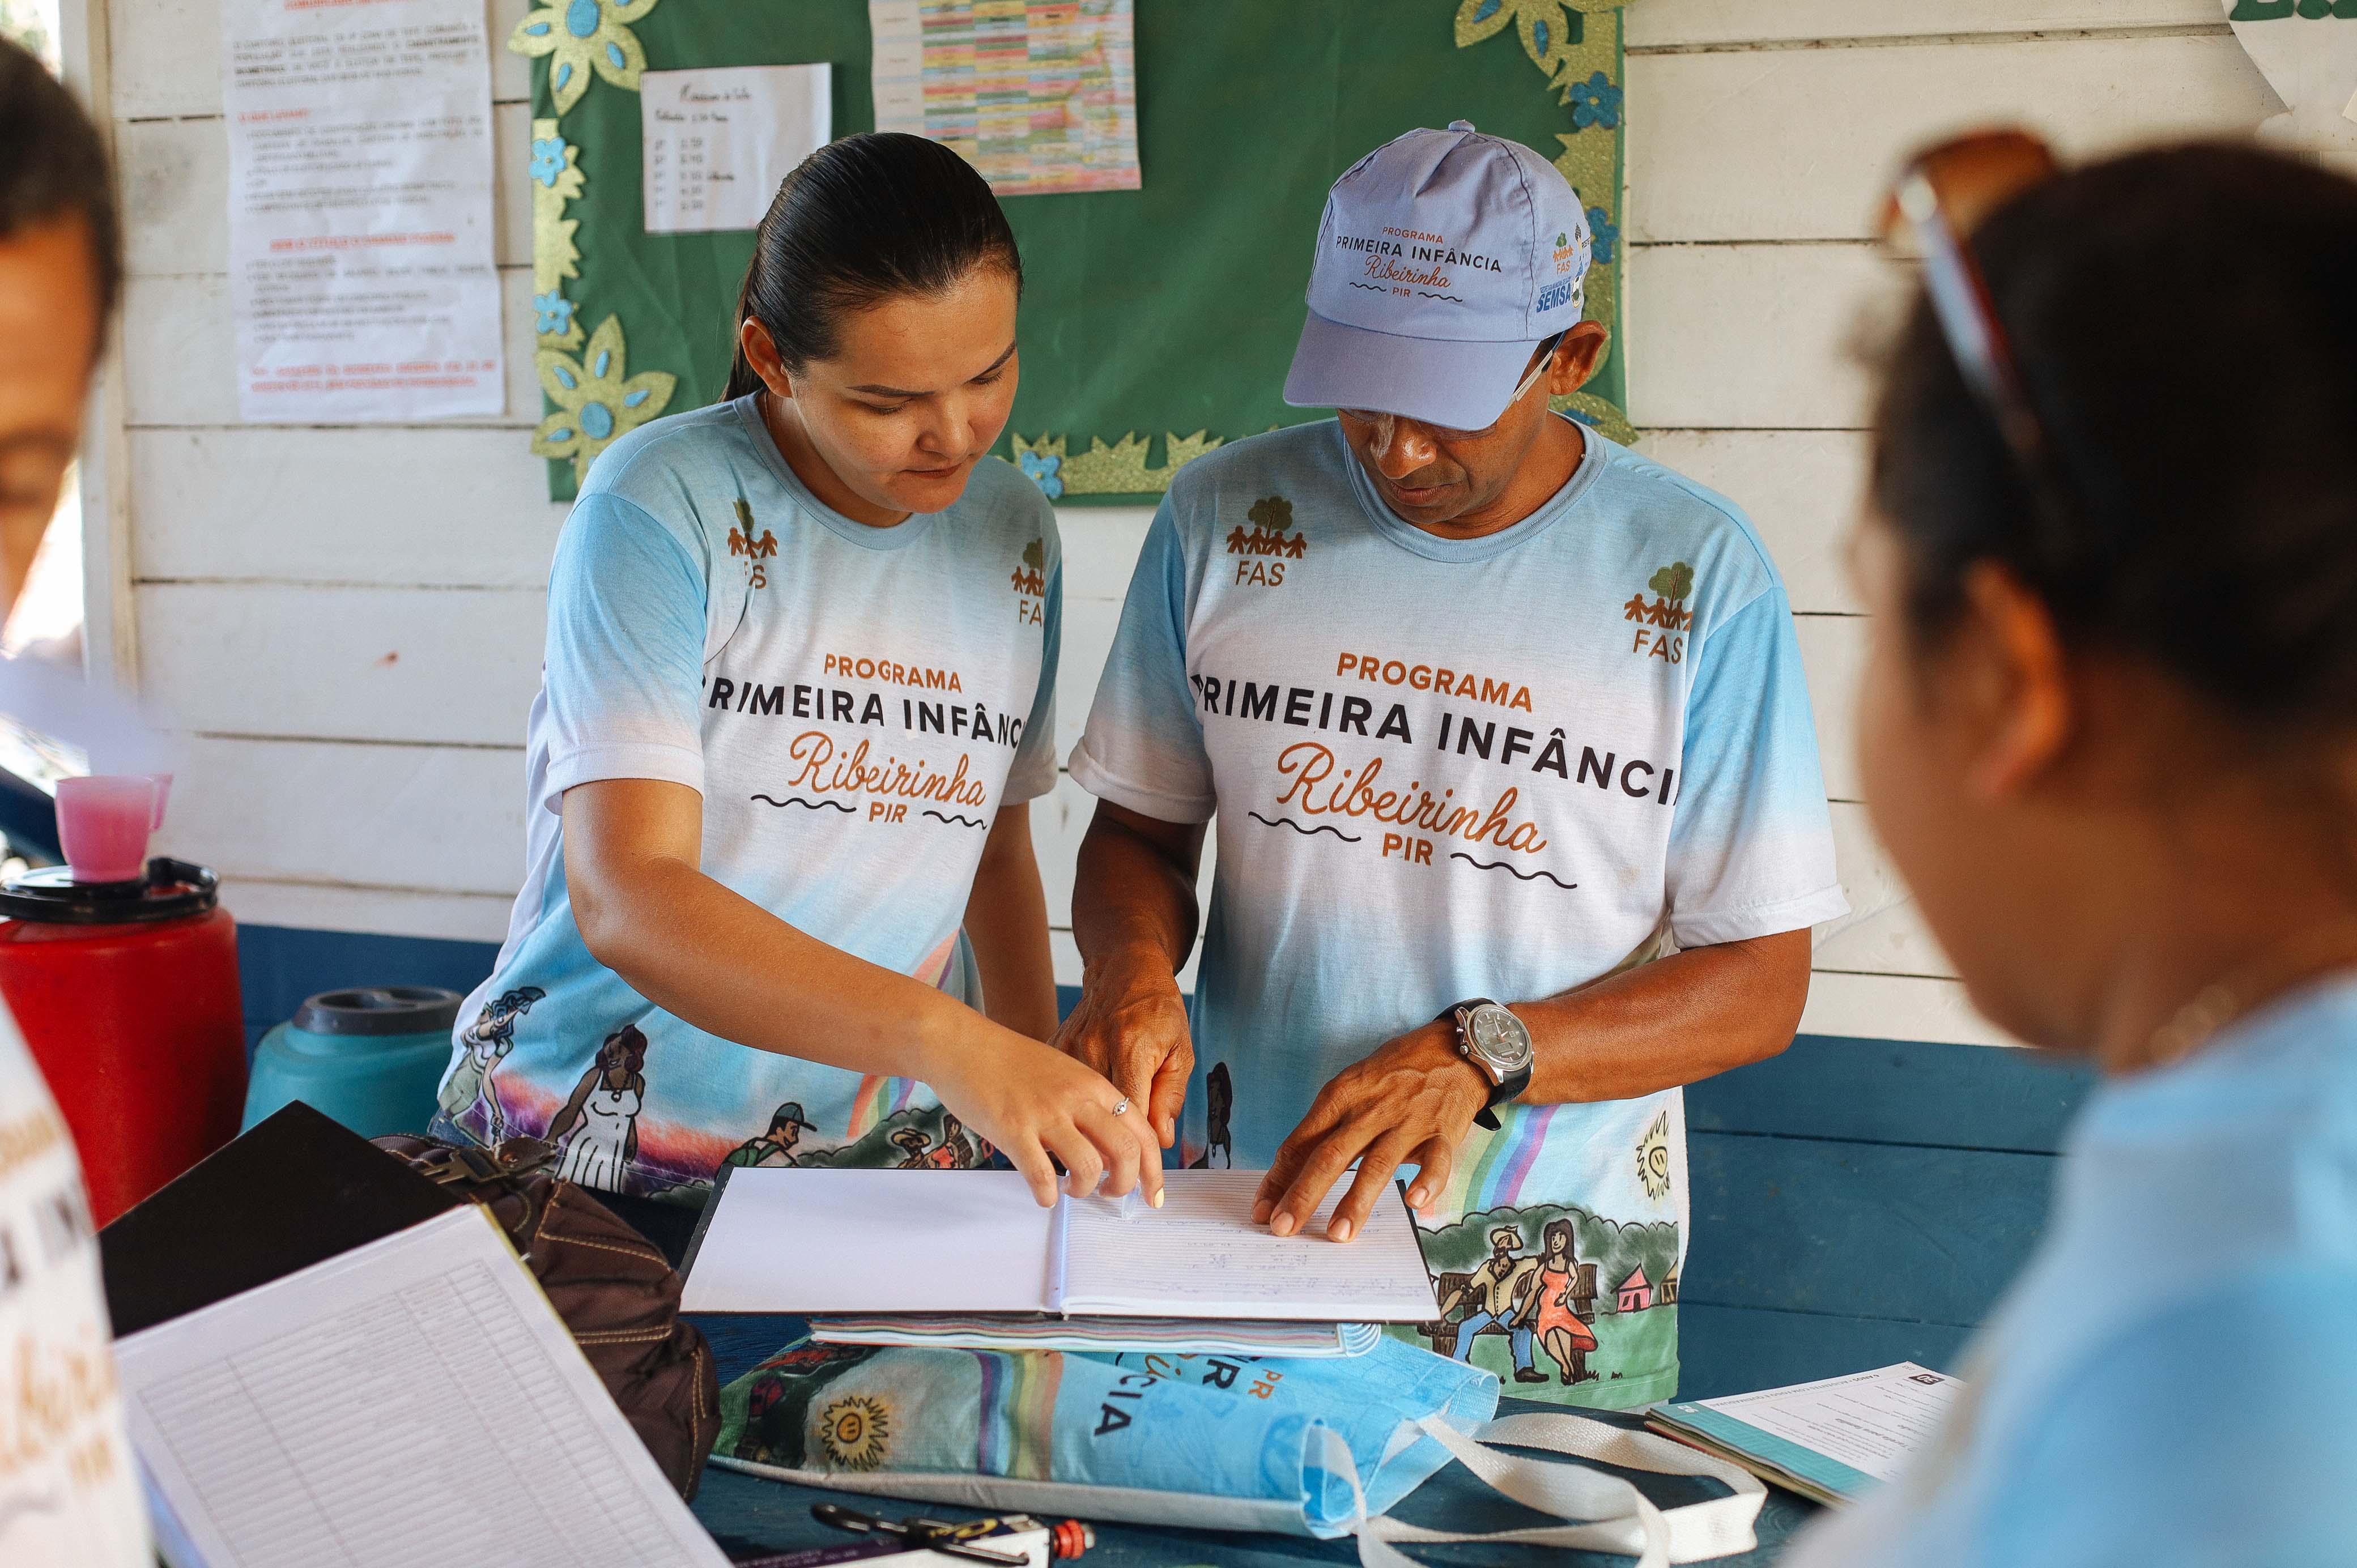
column 783, row 1240
column 419, row 1389
column 1199, row 1255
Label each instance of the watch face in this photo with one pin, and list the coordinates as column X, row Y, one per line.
column 1497, row 1035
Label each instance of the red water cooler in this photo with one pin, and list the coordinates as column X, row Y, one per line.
column 127, row 995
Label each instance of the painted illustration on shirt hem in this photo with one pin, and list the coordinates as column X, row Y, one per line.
column 1557, row 1280
column 469, row 1097
column 599, row 1128
column 1219, row 1104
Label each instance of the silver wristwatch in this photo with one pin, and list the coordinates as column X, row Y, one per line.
column 1490, row 1037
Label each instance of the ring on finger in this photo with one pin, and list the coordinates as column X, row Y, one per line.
column 1121, row 1108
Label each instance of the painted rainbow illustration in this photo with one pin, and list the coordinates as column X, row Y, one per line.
column 1017, row 1433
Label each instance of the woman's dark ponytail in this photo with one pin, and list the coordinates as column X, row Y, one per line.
column 857, row 221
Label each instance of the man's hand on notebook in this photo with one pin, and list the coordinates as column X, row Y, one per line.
column 1033, row 1101
column 1131, row 1026
column 1411, row 1102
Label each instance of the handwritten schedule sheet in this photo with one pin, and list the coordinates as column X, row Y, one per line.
column 715, row 143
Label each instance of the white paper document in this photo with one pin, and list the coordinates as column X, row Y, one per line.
column 1868, row 1421
column 416, row 1396
column 715, row 144
column 783, row 1240
column 1830, row 1440
column 361, row 229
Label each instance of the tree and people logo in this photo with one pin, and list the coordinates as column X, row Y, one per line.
column 1030, row 577
column 756, row 549
column 1271, row 520
column 1671, row 587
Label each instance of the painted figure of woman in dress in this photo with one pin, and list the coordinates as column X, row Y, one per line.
column 603, row 1114
column 1562, row 1335
column 488, row 1041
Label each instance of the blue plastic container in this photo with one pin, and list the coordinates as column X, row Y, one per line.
column 370, row 1056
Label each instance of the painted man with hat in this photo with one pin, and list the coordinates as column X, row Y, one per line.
column 1503, row 729
column 776, row 1146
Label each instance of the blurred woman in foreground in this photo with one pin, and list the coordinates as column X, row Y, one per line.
column 2109, row 734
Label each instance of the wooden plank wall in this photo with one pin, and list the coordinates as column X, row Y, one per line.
column 345, row 623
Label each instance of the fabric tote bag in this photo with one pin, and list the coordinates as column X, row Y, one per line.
column 1323, row 1447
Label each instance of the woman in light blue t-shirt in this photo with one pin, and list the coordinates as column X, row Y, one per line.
column 781, row 905
column 2108, row 730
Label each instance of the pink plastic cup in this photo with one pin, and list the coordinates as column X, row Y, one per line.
column 103, row 824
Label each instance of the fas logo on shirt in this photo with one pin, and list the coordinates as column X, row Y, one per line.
column 1271, row 543
column 1030, row 583
column 1662, row 625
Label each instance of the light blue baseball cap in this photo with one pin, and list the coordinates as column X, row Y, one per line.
column 1445, row 259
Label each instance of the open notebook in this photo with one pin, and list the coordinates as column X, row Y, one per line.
column 814, row 1242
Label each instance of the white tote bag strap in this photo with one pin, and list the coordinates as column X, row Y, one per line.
column 1612, row 1515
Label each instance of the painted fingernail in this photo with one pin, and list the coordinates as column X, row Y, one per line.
column 1155, row 1199
column 1340, row 1230
column 1281, row 1226
column 1415, row 1198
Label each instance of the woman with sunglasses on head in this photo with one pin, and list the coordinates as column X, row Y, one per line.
column 2109, row 734
column 798, row 697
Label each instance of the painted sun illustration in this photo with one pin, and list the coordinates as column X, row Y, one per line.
column 1654, row 1158
column 857, row 1432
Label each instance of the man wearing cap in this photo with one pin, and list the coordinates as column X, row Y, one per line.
column 1520, row 819
column 776, row 1146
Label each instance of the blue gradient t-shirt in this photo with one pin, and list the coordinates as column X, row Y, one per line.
column 1440, row 769
column 855, row 704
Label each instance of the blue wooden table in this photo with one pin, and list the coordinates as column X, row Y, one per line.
column 748, row 1515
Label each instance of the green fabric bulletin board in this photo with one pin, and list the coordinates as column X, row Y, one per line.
column 1156, row 323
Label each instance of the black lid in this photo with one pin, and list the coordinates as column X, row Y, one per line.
column 380, row 1010
column 172, row 890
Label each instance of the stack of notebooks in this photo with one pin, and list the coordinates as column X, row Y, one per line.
column 968, row 1260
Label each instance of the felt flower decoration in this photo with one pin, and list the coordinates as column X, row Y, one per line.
column 597, row 400
column 584, row 37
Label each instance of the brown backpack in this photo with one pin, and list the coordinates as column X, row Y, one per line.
column 614, row 1290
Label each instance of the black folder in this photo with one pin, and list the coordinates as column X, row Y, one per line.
column 297, row 1190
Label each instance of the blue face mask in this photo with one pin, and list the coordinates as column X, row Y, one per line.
column 1321, row 1448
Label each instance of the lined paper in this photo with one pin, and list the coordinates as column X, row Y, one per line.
column 419, row 1389
column 1201, row 1255
column 831, row 1242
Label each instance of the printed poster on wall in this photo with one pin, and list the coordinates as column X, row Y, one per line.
column 1041, row 98
column 361, row 229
